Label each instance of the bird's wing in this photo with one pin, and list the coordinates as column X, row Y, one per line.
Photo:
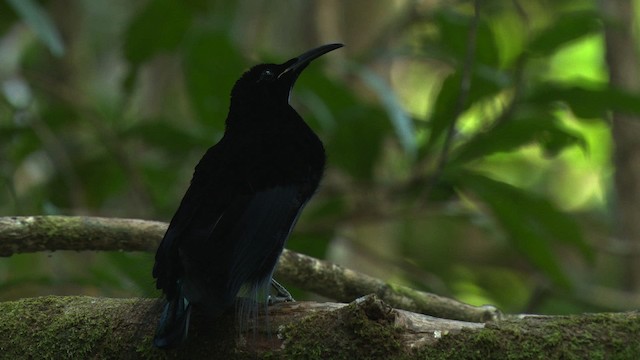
column 243, row 246
column 264, row 226
column 208, row 195
column 224, row 234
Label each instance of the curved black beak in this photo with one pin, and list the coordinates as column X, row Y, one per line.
column 297, row 64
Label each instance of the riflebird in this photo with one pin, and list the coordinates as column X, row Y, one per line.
column 245, row 196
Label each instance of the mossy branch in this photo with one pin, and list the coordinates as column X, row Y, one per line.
column 369, row 327
column 49, row 233
column 103, row 328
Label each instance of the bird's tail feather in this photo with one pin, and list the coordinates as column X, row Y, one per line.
column 251, row 301
column 174, row 323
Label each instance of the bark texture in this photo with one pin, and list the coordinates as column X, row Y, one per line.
column 102, row 328
column 623, row 63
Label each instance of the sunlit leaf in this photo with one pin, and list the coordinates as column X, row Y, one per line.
column 567, row 27
column 484, row 83
column 542, row 128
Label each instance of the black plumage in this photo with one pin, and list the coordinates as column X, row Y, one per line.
column 245, row 196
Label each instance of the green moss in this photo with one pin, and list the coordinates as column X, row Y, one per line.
column 568, row 337
column 63, row 322
column 361, row 332
column 79, row 327
column 84, row 327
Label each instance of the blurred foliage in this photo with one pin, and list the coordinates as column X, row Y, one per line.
column 493, row 192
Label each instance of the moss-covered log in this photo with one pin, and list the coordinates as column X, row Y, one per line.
column 84, row 327
column 369, row 328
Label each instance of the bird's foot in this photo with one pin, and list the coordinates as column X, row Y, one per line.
column 282, row 295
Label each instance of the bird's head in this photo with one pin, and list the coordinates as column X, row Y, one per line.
column 269, row 85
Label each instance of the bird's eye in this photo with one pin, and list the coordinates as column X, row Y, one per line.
column 267, row 75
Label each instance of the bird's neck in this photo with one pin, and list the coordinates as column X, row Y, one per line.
column 260, row 119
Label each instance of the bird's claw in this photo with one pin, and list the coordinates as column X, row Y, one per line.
column 282, row 294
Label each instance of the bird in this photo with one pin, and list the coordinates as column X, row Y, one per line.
column 244, row 198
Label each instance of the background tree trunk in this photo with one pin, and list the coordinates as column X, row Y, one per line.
column 622, row 60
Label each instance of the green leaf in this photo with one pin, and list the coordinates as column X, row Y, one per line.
column 336, row 96
column 444, row 108
column 165, row 187
column 162, row 134
column 40, row 22
column 567, row 27
column 353, row 131
column 484, row 83
column 331, row 208
column 532, row 223
column 20, row 142
column 586, row 102
column 7, row 16
column 402, row 123
column 357, row 142
column 522, row 129
column 453, row 29
column 126, row 268
column 211, row 67
column 101, row 175
column 17, row 93
column 159, row 27
column 312, row 244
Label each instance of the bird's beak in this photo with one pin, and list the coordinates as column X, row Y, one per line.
column 295, row 66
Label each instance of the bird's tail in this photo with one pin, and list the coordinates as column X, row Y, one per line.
column 174, row 323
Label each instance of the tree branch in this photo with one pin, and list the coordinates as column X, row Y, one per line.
column 86, row 327
column 49, row 233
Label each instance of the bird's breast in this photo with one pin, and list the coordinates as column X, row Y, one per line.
column 281, row 158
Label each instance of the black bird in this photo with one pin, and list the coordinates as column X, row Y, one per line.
column 245, row 196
